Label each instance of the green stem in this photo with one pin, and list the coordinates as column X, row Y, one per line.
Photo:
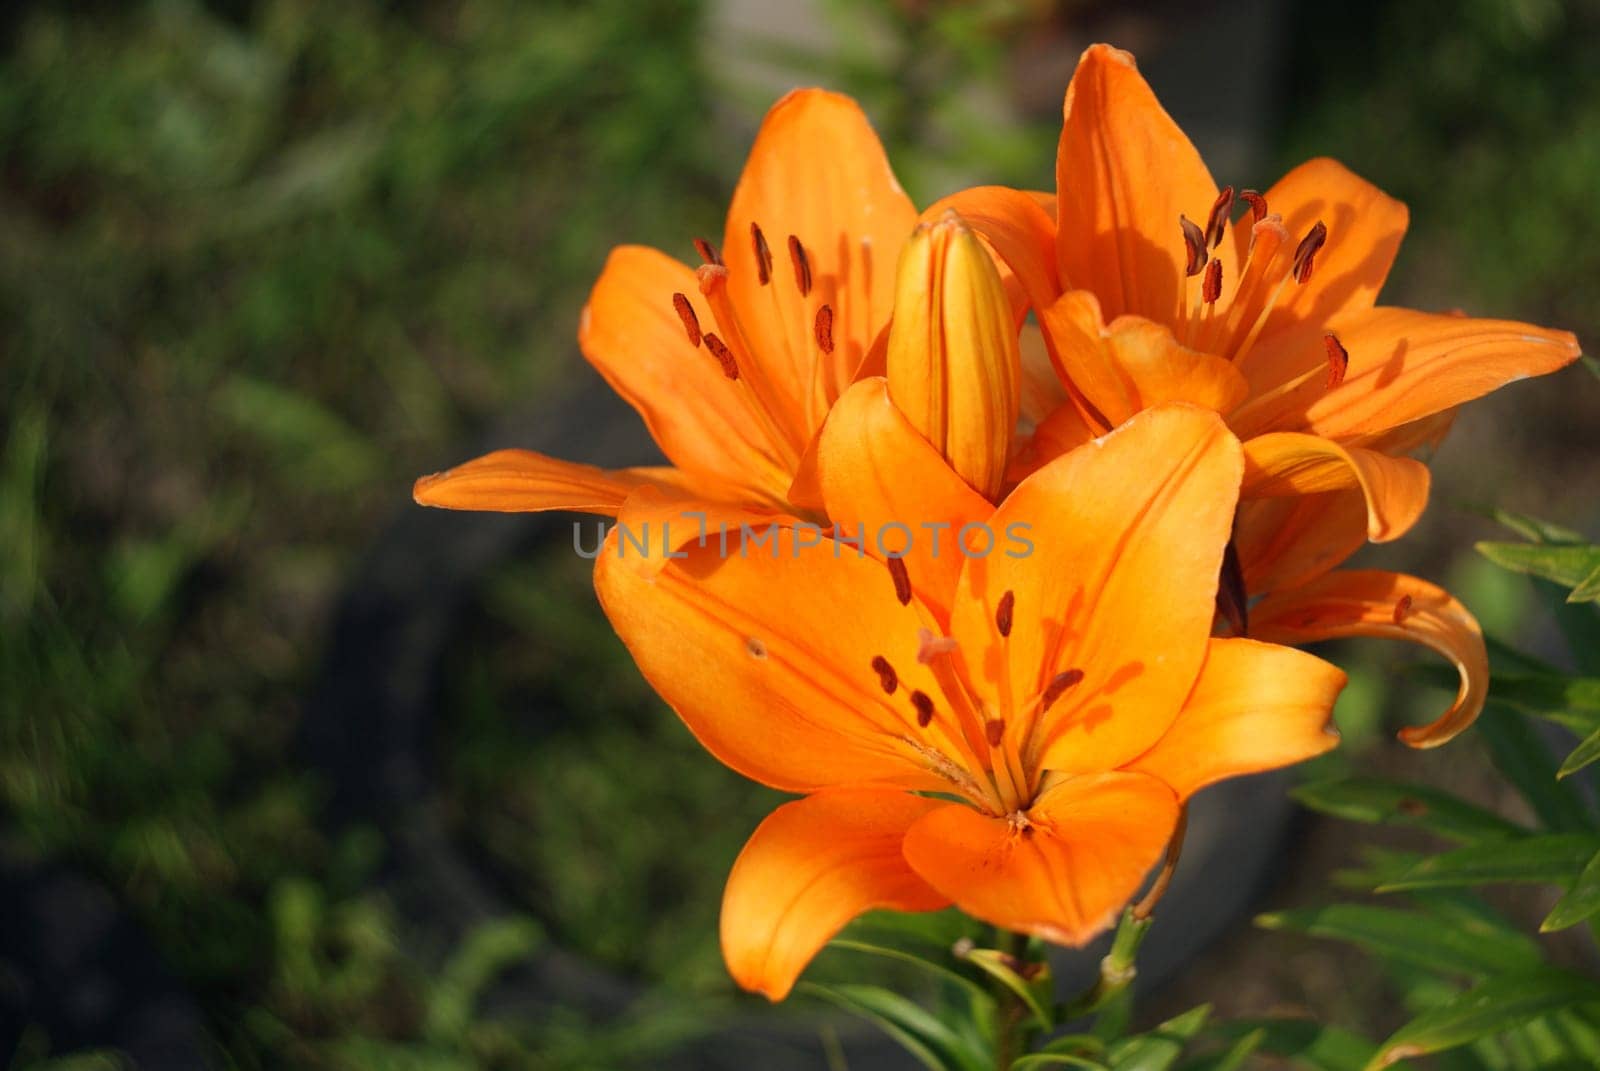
column 1010, row 1012
column 1117, row 970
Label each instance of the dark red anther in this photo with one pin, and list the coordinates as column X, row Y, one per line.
column 1305, row 254
column 886, row 674
column 995, row 731
column 1002, row 613
column 1058, row 685
column 924, row 707
column 719, row 349
column 691, row 322
column 1338, row 360
column 1211, row 285
column 708, row 252
column 1221, row 209
column 1257, row 203
column 1194, row 241
column 902, row 580
column 1401, row 609
column 763, row 254
column 802, row 266
column 824, row 328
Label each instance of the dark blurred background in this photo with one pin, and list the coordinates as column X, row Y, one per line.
column 262, row 263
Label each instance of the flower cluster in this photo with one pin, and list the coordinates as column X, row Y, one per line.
column 1187, row 397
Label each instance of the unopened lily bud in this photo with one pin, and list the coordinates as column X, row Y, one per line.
column 953, row 364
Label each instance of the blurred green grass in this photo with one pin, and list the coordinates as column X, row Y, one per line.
column 263, row 263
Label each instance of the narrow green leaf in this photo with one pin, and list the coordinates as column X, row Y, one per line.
column 1056, row 1059
column 933, row 967
column 1580, row 902
column 1491, row 1008
column 1585, row 753
column 1414, row 937
column 1522, row 756
column 921, row 1033
column 1078, row 1044
column 993, row 963
column 1566, row 564
column 1233, row 1058
column 1593, row 365
column 1305, row 1043
column 1371, row 800
column 1588, row 589
column 1570, row 701
column 1530, row 528
column 1554, row 858
column 1160, row 1048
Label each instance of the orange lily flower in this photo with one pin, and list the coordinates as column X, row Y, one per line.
column 1061, row 703
column 734, row 364
column 1147, row 290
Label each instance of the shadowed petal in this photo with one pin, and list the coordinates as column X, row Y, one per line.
column 810, row 868
column 1371, row 603
column 1286, row 463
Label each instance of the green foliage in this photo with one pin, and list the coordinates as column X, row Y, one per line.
column 1521, row 1010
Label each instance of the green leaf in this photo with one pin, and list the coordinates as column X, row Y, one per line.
column 1593, row 365
column 1580, row 902
column 1079, row 1044
column 921, row 1033
column 1586, row 752
column 1588, row 589
column 1554, row 858
column 1491, row 1008
column 993, row 962
column 1371, row 800
column 1415, row 937
column 939, row 970
column 1161, row 1047
column 1570, row 701
column 1305, row 1043
column 1530, row 528
column 1056, row 1059
column 1235, row 1056
column 488, row 951
column 1521, row 755
column 1566, row 564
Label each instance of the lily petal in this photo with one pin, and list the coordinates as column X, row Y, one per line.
column 768, row 652
column 1404, row 365
column 701, row 420
column 810, row 868
column 1125, row 172
column 877, row 473
column 1018, row 229
column 1133, row 363
column 1365, row 228
column 1064, row 869
column 1372, row 603
column 521, row 481
column 1118, row 588
column 818, row 172
column 656, row 523
column 1256, row 706
column 1286, row 542
column 1290, row 463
